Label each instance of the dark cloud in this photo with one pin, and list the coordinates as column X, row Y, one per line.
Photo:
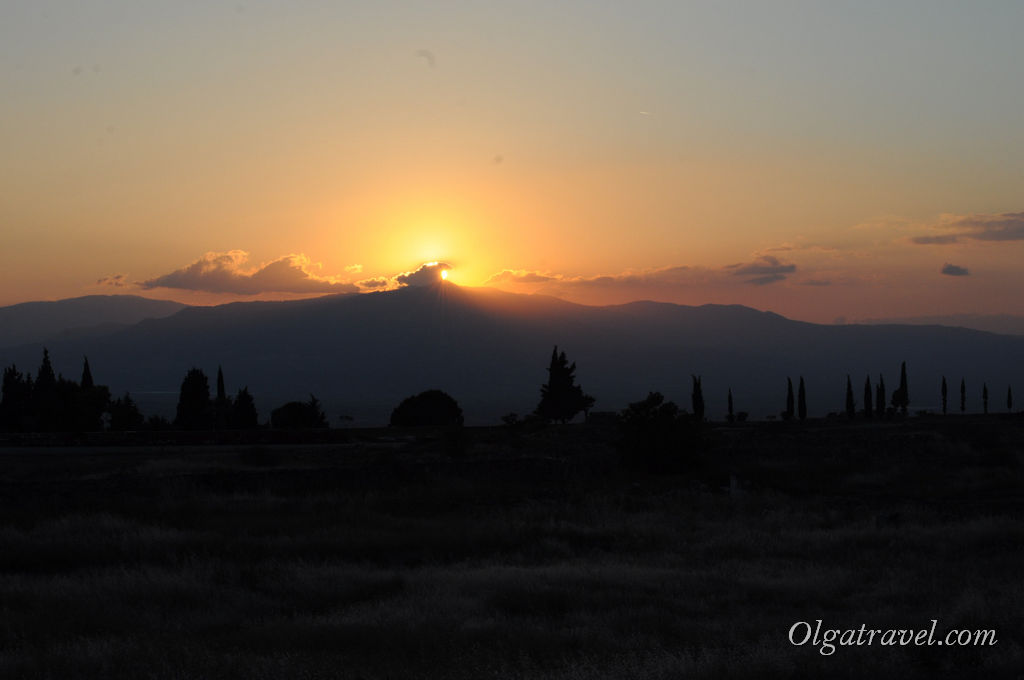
column 426, row 275
column 936, row 240
column 117, row 281
column 954, row 270
column 225, row 273
column 764, row 270
column 999, row 227
column 374, row 284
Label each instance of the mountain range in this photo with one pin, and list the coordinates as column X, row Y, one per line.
column 361, row 354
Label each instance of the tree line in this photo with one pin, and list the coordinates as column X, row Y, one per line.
column 53, row 403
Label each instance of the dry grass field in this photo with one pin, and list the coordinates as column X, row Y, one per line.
column 532, row 554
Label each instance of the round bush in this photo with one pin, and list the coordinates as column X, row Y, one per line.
column 432, row 408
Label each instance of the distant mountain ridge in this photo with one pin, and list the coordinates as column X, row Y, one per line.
column 362, row 354
column 1005, row 324
column 92, row 314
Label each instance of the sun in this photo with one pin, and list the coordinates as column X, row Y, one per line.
column 444, row 274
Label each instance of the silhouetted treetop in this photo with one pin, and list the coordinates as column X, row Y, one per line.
column 901, row 397
column 299, row 415
column 561, row 398
column 432, row 408
column 851, row 405
column 801, row 400
column 243, row 411
column 194, row 408
column 697, row 399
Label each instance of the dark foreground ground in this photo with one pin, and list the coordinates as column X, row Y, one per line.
column 532, row 555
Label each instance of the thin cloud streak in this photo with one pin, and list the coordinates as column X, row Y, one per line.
column 994, row 227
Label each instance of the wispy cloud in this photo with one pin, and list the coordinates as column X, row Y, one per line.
column 981, row 227
column 954, row 270
column 116, row 281
column 226, row 272
column 763, row 270
column 518, row 276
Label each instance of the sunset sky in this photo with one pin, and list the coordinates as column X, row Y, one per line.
column 818, row 159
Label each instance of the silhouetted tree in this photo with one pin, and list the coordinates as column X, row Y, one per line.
column 432, row 408
column 561, row 398
column 801, row 400
column 963, row 396
column 90, row 401
column 15, row 398
column 869, row 409
column 222, row 404
column 901, row 397
column 299, row 415
column 788, row 413
column 984, row 398
column 944, row 395
column 1009, row 399
column 656, row 435
column 125, row 414
column 87, row 382
column 157, row 423
column 880, row 397
column 697, row 400
column 851, row 405
column 45, row 402
column 243, row 411
column 730, row 416
column 194, row 408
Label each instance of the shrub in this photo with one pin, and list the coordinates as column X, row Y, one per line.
column 432, row 408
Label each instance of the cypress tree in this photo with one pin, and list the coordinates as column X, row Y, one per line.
column 788, row 413
column 869, row 409
column 730, row 416
column 1009, row 398
column 697, row 400
column 90, row 402
column 963, row 396
column 851, row 405
column 984, row 398
column 801, row 400
column 87, row 383
column 45, row 401
column 880, row 397
column 944, row 395
column 901, row 397
column 222, row 405
column 221, row 394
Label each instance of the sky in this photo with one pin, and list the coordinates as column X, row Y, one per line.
column 826, row 161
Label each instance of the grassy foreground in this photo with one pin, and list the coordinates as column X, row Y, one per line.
column 533, row 555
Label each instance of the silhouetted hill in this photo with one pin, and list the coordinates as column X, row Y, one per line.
column 1007, row 324
column 90, row 315
column 362, row 354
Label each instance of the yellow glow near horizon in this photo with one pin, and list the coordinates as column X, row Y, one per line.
column 444, row 274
